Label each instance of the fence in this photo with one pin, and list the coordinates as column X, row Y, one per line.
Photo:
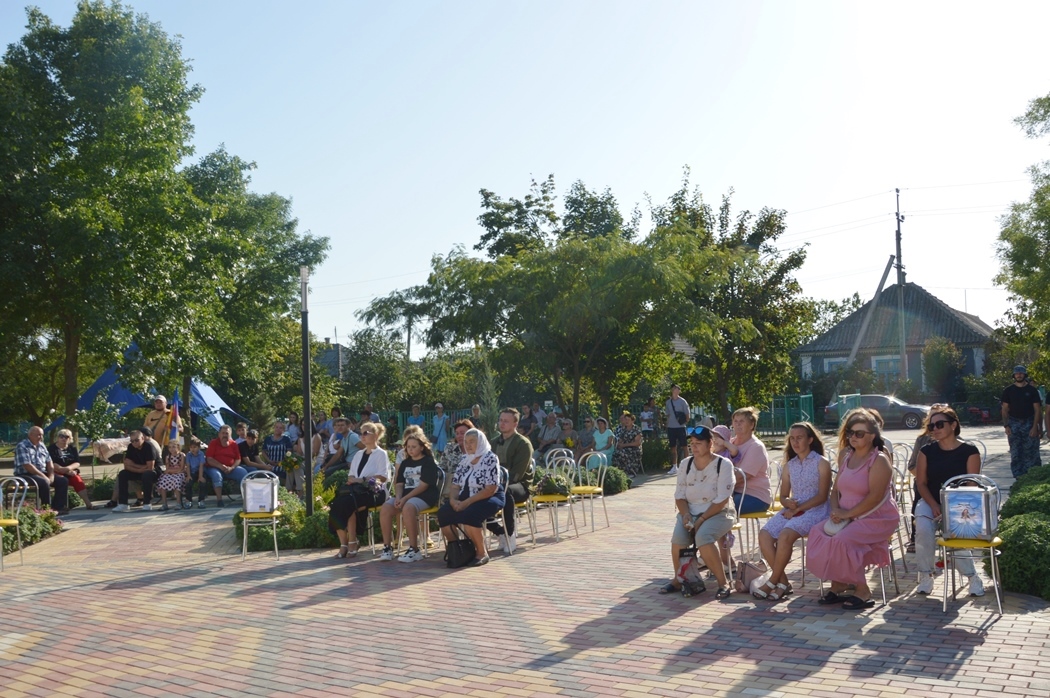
column 784, row 411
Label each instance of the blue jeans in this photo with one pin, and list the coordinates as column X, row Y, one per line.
column 750, row 505
column 1024, row 449
column 215, row 476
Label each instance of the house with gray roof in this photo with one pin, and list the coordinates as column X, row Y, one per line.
column 925, row 316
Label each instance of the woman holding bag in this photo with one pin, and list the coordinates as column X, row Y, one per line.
column 863, row 515
column 365, row 487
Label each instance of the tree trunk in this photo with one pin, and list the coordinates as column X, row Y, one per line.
column 187, row 425
column 71, row 330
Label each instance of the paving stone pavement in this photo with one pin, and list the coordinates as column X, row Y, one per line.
column 160, row 604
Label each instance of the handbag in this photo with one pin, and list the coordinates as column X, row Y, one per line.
column 680, row 416
column 459, row 553
column 747, row 573
column 831, row 528
column 969, row 508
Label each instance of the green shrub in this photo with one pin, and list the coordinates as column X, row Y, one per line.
column 1034, row 476
column 1031, row 498
column 74, row 499
column 335, row 479
column 616, row 481
column 35, row 526
column 294, row 529
column 102, row 488
column 656, row 455
column 1025, row 554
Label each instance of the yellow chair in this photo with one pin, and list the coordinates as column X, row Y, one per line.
column 564, row 467
column 424, row 521
column 950, row 547
column 13, row 492
column 590, row 484
column 259, row 518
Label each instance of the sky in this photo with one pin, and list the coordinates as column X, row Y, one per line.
column 381, row 121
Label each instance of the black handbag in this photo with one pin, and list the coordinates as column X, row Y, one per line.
column 459, row 553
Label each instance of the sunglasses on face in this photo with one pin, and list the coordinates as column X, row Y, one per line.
column 941, row 423
column 859, row 433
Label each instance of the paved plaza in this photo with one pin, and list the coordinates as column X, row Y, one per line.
column 158, row 604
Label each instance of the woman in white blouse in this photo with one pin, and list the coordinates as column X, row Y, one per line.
column 475, row 494
column 365, row 487
column 703, row 497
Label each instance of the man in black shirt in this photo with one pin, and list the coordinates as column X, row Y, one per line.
column 1022, row 411
column 139, row 462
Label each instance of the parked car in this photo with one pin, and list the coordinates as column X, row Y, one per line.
column 894, row 412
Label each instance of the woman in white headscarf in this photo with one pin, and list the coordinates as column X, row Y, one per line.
column 475, row 494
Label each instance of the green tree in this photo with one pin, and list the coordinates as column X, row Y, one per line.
column 943, row 363
column 517, row 224
column 375, row 370
column 1024, row 250
column 747, row 316
column 94, row 120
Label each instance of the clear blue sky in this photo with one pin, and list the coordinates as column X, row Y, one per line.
column 382, row 120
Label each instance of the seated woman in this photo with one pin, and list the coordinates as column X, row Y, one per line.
column 753, row 459
column 862, row 495
column 628, row 454
column 937, row 463
column 804, row 489
column 66, row 460
column 604, row 439
column 365, row 488
column 705, row 511
column 585, row 442
column 415, row 489
column 475, row 495
column 567, row 438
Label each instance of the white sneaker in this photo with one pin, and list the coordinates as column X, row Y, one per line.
column 925, row 583
column 976, row 586
column 673, row 470
column 512, row 543
column 147, row 507
column 121, row 509
column 412, row 555
column 503, row 544
column 387, row 554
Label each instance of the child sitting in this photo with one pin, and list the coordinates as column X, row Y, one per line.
column 174, row 476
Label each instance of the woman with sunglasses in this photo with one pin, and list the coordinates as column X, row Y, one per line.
column 66, row 459
column 938, row 462
column 703, row 496
column 365, row 488
column 861, row 496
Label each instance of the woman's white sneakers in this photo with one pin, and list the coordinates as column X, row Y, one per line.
column 926, row 584
column 976, row 586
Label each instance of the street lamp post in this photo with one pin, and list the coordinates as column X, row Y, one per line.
column 308, row 418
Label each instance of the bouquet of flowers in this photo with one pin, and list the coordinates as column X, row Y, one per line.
column 374, row 485
column 291, row 462
column 551, row 484
column 569, row 443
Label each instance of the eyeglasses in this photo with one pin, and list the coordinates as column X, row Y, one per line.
column 941, row 424
column 859, row 433
column 63, row 436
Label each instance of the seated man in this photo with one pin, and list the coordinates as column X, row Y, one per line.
column 139, row 462
column 252, row 458
column 514, row 452
column 33, row 463
column 223, row 460
column 343, row 446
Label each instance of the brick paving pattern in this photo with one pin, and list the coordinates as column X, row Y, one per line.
column 160, row 604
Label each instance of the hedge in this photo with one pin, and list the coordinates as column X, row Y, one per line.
column 35, row 526
column 1025, row 530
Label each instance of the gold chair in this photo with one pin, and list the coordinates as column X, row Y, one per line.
column 589, row 484
column 564, row 467
column 259, row 518
column 13, row 492
column 424, row 521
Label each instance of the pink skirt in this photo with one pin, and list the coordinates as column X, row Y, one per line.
column 847, row 555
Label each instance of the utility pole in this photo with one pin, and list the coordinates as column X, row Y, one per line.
column 900, row 292
column 308, row 422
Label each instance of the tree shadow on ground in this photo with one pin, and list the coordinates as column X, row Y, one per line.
column 641, row 611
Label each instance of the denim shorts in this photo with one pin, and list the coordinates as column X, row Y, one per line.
column 709, row 531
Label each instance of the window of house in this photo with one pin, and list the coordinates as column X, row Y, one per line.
column 887, row 370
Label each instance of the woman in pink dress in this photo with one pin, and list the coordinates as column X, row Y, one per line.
column 862, row 495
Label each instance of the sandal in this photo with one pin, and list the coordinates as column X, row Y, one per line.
column 779, row 592
column 830, row 599
column 353, row 553
column 344, row 550
column 764, row 591
column 668, row 588
column 855, row 603
column 723, row 593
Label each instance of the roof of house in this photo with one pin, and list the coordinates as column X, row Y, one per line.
column 926, row 316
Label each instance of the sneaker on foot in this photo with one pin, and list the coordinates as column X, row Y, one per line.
column 121, row 509
column 110, row 505
column 187, row 505
column 387, row 554
column 512, row 544
column 673, row 470
column 925, row 583
column 413, row 555
column 165, row 508
column 200, row 503
column 147, row 507
column 503, row 544
column 976, row 586
column 220, row 504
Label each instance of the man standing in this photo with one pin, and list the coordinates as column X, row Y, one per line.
column 515, row 454
column 1022, row 412
column 139, row 462
column 33, row 463
column 158, row 421
column 677, row 410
